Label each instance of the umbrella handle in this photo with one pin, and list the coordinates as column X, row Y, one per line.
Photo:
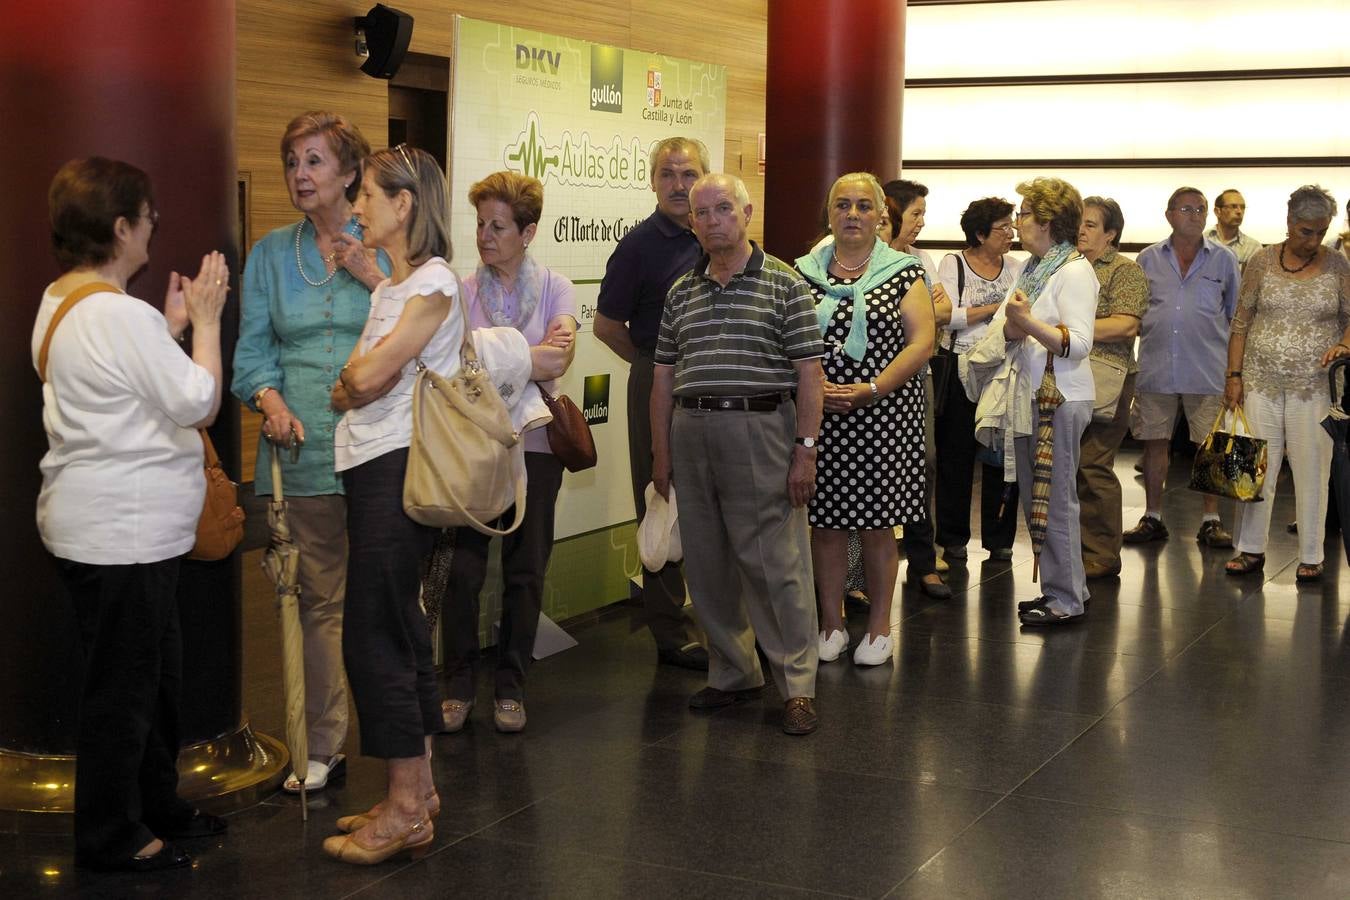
column 277, row 493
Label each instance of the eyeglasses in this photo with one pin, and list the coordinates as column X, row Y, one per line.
column 407, row 160
column 1005, row 226
column 1190, row 210
column 153, row 216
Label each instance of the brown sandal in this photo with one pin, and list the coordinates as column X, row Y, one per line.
column 1308, row 572
column 1246, row 563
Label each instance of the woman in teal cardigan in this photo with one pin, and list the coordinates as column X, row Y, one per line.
column 305, row 300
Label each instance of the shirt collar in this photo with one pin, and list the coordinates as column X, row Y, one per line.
column 1108, row 256
column 754, row 264
column 667, row 227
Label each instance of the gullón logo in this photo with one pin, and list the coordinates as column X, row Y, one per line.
column 606, row 78
column 538, row 59
column 595, row 399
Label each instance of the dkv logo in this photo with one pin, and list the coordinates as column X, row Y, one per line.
column 538, row 59
column 606, row 78
column 595, row 399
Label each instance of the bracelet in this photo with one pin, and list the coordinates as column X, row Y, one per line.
column 1236, row 373
column 876, row 394
column 257, row 397
column 1063, row 340
column 1344, row 345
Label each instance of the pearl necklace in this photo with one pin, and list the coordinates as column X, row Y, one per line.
column 840, row 263
column 328, row 260
column 1300, row 268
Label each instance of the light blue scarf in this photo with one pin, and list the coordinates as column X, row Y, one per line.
column 882, row 265
column 1038, row 271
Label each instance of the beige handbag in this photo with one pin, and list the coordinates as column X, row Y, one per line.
column 466, row 464
column 1109, row 378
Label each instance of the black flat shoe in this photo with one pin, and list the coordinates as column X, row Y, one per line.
column 169, row 857
column 939, row 591
column 1040, row 614
column 197, row 825
column 1024, row 605
column 691, row 656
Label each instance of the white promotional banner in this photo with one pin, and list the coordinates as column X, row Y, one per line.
column 582, row 118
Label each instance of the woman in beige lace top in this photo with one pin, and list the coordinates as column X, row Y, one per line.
column 1291, row 323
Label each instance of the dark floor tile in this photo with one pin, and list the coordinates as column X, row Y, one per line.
column 759, row 821
column 1037, row 849
column 1308, row 640
column 935, row 740
column 1208, row 767
column 1069, row 679
column 486, row 869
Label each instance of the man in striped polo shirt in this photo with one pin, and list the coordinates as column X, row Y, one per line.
column 738, row 338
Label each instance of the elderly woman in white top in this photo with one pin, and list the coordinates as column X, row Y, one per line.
column 1293, row 319
column 1050, row 314
column 122, row 489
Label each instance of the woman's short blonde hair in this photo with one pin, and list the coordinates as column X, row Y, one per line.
column 525, row 195
column 344, row 139
column 405, row 168
column 867, row 178
column 1055, row 202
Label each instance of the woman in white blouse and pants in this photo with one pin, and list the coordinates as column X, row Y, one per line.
column 1051, row 312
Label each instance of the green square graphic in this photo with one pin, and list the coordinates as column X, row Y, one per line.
column 595, row 399
column 606, row 78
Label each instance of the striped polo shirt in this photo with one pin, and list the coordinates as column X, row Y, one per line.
column 742, row 339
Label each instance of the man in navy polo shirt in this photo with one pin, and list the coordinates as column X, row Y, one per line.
column 638, row 275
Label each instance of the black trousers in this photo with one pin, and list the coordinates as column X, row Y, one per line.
column 386, row 644
column 126, row 767
column 955, row 430
column 525, row 554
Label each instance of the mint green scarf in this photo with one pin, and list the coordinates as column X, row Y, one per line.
column 883, row 264
column 1038, row 271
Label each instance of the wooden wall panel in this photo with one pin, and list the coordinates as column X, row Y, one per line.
column 298, row 56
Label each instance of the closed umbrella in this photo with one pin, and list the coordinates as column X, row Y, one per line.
column 1337, row 423
column 281, row 562
column 1048, row 399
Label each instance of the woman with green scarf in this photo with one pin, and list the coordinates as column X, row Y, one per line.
column 876, row 316
column 1049, row 317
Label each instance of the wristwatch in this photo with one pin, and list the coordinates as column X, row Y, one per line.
column 808, row 442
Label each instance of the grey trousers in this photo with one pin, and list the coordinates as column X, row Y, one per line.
column 319, row 527
column 1098, row 487
column 748, row 550
column 1061, row 562
column 662, row 592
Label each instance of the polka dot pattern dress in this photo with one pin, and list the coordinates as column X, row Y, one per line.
column 869, row 471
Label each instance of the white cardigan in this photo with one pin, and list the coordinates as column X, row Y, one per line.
column 1070, row 299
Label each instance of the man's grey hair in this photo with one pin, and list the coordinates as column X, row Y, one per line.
column 671, row 144
column 1311, row 203
column 737, row 186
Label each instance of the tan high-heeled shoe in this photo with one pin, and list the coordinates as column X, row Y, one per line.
column 415, row 840
column 349, row 824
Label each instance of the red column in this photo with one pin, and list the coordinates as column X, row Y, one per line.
column 151, row 83
column 835, row 78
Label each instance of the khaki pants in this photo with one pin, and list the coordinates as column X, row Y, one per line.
column 750, row 576
column 319, row 527
column 1099, row 488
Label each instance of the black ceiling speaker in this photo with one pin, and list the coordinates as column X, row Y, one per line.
column 387, row 33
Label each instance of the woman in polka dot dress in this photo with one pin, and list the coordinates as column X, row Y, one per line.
column 877, row 320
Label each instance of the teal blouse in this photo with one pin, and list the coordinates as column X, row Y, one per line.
column 295, row 337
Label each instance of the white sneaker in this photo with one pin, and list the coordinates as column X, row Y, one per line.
column 832, row 646
column 873, row 651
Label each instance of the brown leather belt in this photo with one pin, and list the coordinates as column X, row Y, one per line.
column 759, row 403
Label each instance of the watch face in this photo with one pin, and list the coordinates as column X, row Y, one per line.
column 808, row 443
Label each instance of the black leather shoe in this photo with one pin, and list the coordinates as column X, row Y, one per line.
column 712, row 698
column 690, row 656
column 169, row 857
column 935, row 591
column 197, row 825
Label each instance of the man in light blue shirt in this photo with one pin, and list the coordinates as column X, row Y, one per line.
column 1183, row 352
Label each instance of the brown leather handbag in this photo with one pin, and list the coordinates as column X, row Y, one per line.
column 221, row 526
column 569, row 434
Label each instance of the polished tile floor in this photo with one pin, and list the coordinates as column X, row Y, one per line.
column 1189, row 740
